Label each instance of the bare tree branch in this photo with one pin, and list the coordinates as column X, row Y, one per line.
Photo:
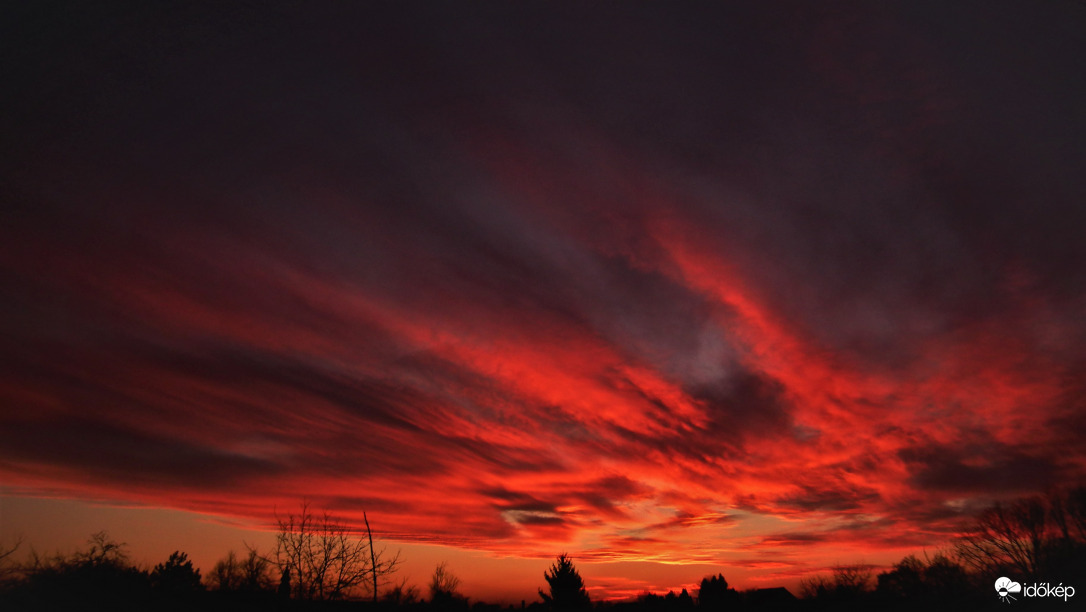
column 6, row 551
column 325, row 560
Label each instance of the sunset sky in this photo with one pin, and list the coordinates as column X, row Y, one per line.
column 677, row 291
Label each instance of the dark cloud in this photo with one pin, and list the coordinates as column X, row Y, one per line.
column 793, row 539
column 113, row 453
column 766, row 561
column 745, row 403
column 992, row 468
column 690, row 519
column 812, row 499
column 532, row 518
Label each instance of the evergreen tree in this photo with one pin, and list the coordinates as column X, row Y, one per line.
column 567, row 590
column 176, row 576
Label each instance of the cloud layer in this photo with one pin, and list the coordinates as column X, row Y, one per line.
column 750, row 287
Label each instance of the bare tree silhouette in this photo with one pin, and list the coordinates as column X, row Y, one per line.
column 247, row 575
column 401, row 594
column 6, row 552
column 444, row 584
column 382, row 564
column 1032, row 536
column 325, row 560
column 1075, row 507
column 103, row 551
column 1006, row 537
column 846, row 583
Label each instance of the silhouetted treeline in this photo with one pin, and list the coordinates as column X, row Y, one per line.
column 1032, row 540
column 100, row 577
column 713, row 595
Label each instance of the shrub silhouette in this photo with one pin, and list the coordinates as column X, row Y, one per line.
column 176, row 577
column 847, row 584
column 715, row 594
column 401, row 594
column 7, row 567
column 651, row 602
column 249, row 575
column 99, row 577
column 443, row 589
column 905, row 581
column 684, row 601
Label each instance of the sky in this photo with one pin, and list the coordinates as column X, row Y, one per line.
column 734, row 288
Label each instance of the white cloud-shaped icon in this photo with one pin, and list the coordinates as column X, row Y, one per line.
column 1005, row 585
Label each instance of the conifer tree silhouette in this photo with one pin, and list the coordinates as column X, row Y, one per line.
column 567, row 590
column 176, row 576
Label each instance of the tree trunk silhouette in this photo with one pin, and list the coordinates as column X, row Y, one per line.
column 325, row 560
